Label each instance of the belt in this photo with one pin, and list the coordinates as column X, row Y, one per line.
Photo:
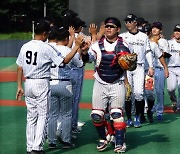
column 36, row 78
column 140, row 64
column 60, row 79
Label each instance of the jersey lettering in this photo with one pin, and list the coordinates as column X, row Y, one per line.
column 30, row 58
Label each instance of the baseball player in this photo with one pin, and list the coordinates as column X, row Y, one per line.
column 174, row 69
column 77, row 77
column 159, row 70
column 149, row 81
column 109, row 86
column 34, row 62
column 139, row 43
column 61, row 94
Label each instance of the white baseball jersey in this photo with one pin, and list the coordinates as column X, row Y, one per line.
column 35, row 58
column 156, row 53
column 139, row 42
column 164, row 47
column 174, row 46
column 57, row 73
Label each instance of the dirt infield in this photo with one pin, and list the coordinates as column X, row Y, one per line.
column 7, row 76
column 11, row 76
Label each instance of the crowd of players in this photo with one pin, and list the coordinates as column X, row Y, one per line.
column 158, row 58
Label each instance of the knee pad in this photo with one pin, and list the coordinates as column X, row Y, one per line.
column 117, row 115
column 118, row 119
column 97, row 117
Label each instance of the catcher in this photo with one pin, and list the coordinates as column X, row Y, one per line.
column 110, row 84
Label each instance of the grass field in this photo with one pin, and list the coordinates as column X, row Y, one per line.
column 159, row 137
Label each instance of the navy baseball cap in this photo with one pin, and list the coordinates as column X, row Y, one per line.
column 78, row 23
column 41, row 26
column 157, row 25
column 146, row 28
column 130, row 17
column 114, row 21
column 141, row 21
column 177, row 28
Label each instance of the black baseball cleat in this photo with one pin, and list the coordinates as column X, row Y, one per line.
column 174, row 107
column 37, row 152
column 52, row 146
column 142, row 119
column 66, row 145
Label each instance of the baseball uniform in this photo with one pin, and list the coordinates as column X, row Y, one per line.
column 35, row 58
column 174, row 72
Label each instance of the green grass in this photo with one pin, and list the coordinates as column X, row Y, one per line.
column 16, row 36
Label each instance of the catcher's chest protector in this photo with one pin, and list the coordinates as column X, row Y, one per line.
column 109, row 70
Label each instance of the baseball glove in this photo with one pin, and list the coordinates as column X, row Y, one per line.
column 128, row 92
column 128, row 61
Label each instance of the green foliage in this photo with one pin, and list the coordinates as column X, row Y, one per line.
column 17, row 15
column 16, row 36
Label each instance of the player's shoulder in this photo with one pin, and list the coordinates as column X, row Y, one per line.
column 162, row 41
column 95, row 45
column 142, row 34
column 153, row 44
column 171, row 40
column 123, row 34
column 64, row 50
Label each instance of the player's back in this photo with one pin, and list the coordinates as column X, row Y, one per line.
column 35, row 60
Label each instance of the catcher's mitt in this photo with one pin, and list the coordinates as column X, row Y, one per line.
column 128, row 92
column 128, row 61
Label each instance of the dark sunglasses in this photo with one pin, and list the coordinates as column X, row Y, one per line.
column 110, row 26
column 129, row 22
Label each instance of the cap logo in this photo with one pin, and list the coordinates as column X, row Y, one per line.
column 178, row 26
column 129, row 16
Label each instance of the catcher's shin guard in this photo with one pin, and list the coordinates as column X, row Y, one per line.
column 120, row 137
column 119, row 126
column 98, row 121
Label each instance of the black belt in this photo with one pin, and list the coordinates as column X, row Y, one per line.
column 36, row 78
column 60, row 79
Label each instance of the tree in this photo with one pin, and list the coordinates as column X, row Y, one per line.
column 17, row 15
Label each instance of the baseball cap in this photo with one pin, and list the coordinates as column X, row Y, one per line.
column 78, row 23
column 177, row 28
column 41, row 26
column 130, row 17
column 141, row 21
column 62, row 33
column 146, row 28
column 157, row 25
column 113, row 20
column 53, row 32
